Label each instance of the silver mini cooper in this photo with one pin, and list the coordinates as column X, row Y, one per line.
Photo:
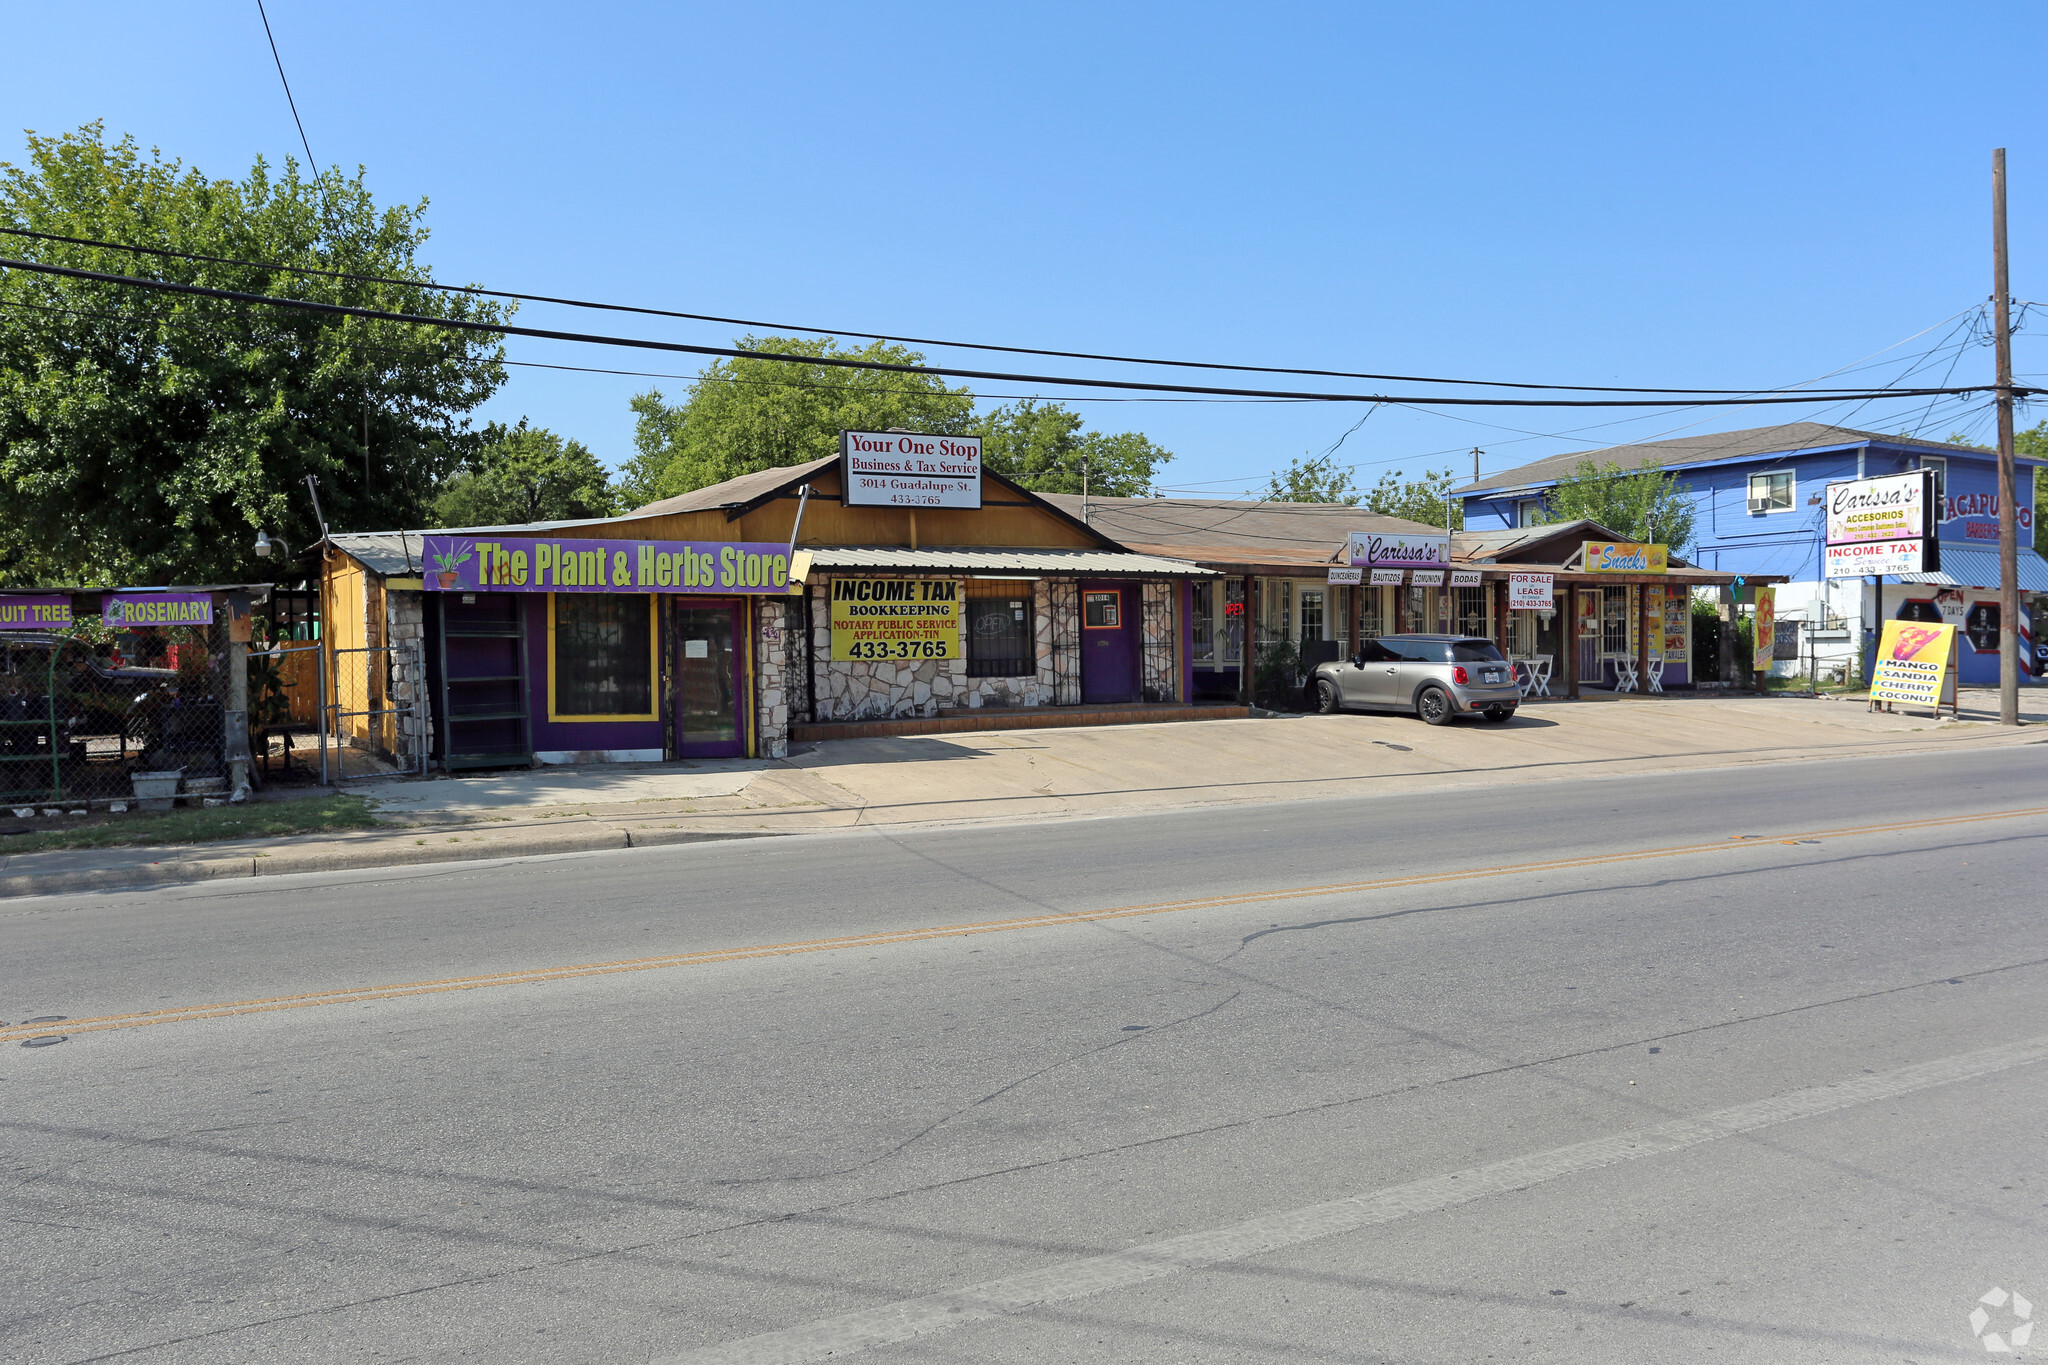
column 1438, row 677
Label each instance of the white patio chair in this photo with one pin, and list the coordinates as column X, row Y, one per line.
column 1625, row 679
column 1656, row 675
column 1540, row 674
column 1524, row 676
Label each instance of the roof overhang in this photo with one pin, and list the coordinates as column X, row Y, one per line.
column 995, row 562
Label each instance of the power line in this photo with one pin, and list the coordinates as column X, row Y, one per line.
column 834, row 331
column 287, row 90
column 941, row 371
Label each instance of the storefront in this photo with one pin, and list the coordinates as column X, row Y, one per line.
column 1955, row 595
column 724, row 621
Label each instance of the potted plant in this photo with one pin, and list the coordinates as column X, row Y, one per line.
column 448, row 566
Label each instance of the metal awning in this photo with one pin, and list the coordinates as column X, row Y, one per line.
column 1037, row 563
column 1976, row 566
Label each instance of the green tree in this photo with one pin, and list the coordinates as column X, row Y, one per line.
column 1646, row 504
column 1314, row 480
column 1043, row 447
column 2034, row 441
column 521, row 474
column 145, row 437
column 1420, row 500
column 745, row 415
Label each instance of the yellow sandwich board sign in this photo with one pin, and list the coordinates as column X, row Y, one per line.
column 1915, row 664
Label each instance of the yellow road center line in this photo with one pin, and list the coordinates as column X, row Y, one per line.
column 1050, row 919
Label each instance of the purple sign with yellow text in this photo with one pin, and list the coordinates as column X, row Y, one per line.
column 157, row 609
column 473, row 564
column 19, row 612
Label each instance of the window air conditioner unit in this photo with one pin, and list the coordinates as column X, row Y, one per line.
column 1759, row 502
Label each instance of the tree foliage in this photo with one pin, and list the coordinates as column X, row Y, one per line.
column 1314, row 480
column 521, row 474
column 1043, row 447
column 2034, row 441
column 1644, row 504
column 1420, row 499
column 145, row 437
column 745, row 415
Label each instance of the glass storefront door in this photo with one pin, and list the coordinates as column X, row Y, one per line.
column 707, row 680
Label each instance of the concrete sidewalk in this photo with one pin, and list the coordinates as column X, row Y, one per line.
column 1039, row 774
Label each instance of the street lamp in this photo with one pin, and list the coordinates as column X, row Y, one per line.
column 264, row 542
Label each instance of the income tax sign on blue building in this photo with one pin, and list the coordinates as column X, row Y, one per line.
column 483, row 564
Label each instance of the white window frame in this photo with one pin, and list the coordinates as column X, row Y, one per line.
column 1939, row 464
column 1791, row 493
column 1528, row 512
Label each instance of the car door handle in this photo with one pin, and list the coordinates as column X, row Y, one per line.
column 1391, row 672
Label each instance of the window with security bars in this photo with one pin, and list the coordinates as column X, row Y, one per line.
column 1471, row 611
column 1000, row 636
column 1614, row 622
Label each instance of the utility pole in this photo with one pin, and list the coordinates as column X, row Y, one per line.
column 2008, row 525
column 1476, row 453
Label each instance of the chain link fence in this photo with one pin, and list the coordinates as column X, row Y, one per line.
column 92, row 716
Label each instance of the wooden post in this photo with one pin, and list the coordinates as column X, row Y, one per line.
column 1570, row 636
column 1247, row 650
column 1642, row 593
column 2008, row 533
column 1500, row 615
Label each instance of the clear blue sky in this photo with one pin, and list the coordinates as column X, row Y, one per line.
column 1710, row 196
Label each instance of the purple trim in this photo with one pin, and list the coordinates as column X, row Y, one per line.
column 18, row 612
column 537, row 566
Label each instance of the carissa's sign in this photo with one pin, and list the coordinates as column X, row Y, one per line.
column 1854, row 560
column 1531, row 592
column 464, row 564
column 1892, row 508
column 909, row 469
column 1625, row 556
column 895, row 618
column 157, row 609
column 18, row 612
column 1412, row 552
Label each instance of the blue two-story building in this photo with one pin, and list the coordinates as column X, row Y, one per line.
column 1757, row 501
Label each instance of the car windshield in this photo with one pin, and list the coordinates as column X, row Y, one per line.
column 1475, row 652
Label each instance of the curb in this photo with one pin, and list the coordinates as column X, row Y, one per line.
column 287, row 861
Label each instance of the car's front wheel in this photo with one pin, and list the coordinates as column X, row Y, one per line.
column 1433, row 704
column 1327, row 701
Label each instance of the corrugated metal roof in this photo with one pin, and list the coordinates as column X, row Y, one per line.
column 384, row 552
column 1065, row 563
column 1723, row 445
column 1973, row 566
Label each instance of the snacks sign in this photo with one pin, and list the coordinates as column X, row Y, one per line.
column 1625, row 556
column 1913, row 663
column 877, row 619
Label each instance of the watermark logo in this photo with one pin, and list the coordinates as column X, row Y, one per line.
column 2014, row 1325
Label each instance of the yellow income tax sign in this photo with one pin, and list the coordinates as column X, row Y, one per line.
column 895, row 618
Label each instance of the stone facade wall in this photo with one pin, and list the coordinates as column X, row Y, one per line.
column 859, row 690
column 1159, row 643
column 406, row 629
column 773, row 641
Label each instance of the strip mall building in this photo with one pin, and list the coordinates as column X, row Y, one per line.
column 717, row 624
column 733, row 619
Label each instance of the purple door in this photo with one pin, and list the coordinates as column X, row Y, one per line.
column 1109, row 642
column 708, row 682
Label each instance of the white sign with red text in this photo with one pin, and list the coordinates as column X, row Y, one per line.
column 1875, row 557
column 909, row 469
column 1531, row 592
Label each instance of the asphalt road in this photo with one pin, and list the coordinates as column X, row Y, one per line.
column 1741, row 1065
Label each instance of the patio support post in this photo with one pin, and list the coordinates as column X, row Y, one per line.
column 1642, row 605
column 1500, row 615
column 1246, row 665
column 1570, row 635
